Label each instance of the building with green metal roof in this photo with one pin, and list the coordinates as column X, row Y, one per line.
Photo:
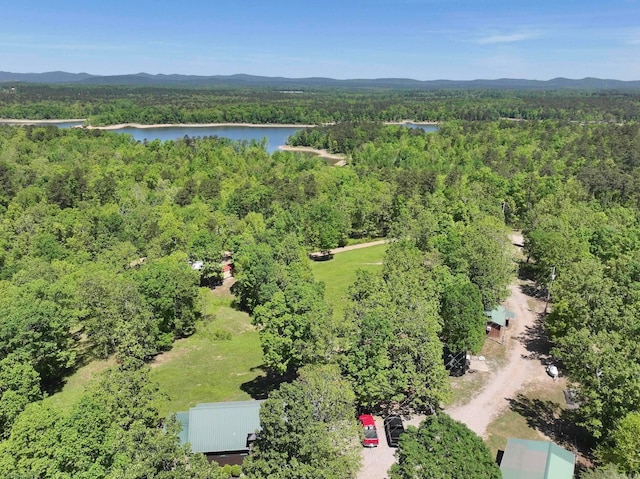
column 497, row 319
column 220, row 429
column 525, row 459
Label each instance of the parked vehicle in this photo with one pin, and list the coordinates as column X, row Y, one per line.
column 324, row 255
column 393, row 428
column 370, row 431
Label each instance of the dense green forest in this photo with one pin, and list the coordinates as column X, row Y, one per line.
column 105, row 105
column 98, row 232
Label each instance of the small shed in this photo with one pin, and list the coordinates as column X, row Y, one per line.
column 498, row 319
column 525, row 459
column 222, row 431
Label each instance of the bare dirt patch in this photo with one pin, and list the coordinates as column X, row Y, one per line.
column 526, row 357
column 225, row 288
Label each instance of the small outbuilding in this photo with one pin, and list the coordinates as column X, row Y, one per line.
column 525, row 459
column 222, row 431
column 498, row 320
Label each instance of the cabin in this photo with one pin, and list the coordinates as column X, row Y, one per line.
column 222, row 431
column 497, row 321
column 525, row 459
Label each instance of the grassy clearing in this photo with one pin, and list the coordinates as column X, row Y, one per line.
column 75, row 384
column 466, row 387
column 211, row 365
column 340, row 273
column 533, row 414
column 214, row 363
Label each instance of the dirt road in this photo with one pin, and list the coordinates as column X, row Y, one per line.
column 522, row 366
column 358, row 246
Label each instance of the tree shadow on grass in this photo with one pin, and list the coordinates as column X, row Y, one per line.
column 85, row 353
column 261, row 386
column 558, row 424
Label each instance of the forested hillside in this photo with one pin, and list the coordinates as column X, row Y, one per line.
column 106, row 105
column 98, row 231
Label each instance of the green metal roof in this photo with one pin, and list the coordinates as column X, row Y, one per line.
column 524, row 459
column 220, row 427
column 183, row 419
column 499, row 315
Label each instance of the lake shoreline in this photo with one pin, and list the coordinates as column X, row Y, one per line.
column 196, row 125
column 12, row 121
column 338, row 159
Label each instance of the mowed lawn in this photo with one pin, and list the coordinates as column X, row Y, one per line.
column 211, row 365
column 222, row 360
column 533, row 415
column 208, row 367
column 340, row 272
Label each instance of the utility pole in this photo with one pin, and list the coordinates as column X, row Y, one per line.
column 553, row 276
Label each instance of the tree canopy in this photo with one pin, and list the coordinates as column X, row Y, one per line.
column 308, row 429
column 441, row 447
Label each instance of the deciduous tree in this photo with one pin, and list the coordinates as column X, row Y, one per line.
column 308, row 429
column 441, row 447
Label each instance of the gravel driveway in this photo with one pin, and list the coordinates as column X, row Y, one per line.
column 492, row 399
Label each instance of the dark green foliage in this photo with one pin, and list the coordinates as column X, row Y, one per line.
column 256, row 275
column 116, row 317
column 112, row 432
column 394, row 354
column 170, row 287
column 308, row 429
column 621, row 447
column 19, row 386
column 442, row 447
column 37, row 329
column 462, row 315
column 608, row 471
column 148, row 104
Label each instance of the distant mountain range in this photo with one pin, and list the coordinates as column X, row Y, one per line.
column 241, row 80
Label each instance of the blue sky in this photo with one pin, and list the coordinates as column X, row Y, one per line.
column 421, row 39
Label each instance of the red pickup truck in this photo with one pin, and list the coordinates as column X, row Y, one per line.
column 370, row 431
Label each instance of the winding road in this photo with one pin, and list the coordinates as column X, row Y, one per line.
column 493, row 398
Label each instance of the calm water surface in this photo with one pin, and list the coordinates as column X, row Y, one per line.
column 426, row 128
column 275, row 136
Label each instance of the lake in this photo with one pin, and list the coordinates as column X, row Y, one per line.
column 275, row 135
column 426, row 128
